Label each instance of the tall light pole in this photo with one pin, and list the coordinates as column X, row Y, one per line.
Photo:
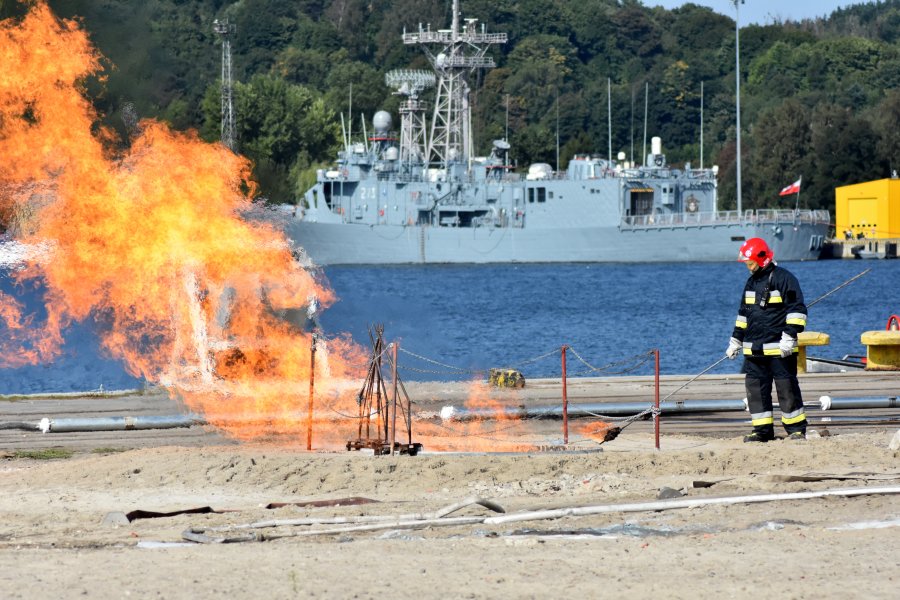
column 737, row 78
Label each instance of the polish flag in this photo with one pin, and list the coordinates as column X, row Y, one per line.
column 794, row 188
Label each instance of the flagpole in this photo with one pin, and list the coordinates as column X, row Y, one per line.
column 737, row 95
column 797, row 204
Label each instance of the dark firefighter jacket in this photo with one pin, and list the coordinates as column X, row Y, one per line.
column 772, row 304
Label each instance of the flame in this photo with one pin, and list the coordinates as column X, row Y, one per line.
column 503, row 431
column 160, row 245
column 599, row 431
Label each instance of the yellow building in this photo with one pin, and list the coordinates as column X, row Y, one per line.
column 868, row 210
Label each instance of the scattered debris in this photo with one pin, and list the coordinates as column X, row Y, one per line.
column 351, row 501
column 115, row 518
column 153, row 544
column 867, row 525
column 666, row 492
column 895, row 441
column 439, row 518
column 148, row 514
column 609, row 532
column 708, row 484
column 810, row 477
column 775, row 525
column 355, row 524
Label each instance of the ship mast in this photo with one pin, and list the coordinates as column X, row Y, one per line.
column 413, row 132
column 460, row 51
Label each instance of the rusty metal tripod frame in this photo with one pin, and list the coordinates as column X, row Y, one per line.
column 376, row 404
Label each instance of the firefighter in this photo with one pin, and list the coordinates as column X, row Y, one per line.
column 770, row 316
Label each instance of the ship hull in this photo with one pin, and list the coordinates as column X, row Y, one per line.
column 348, row 244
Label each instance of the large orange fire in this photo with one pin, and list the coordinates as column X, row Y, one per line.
column 158, row 243
column 152, row 242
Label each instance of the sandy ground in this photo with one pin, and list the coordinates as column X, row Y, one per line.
column 54, row 542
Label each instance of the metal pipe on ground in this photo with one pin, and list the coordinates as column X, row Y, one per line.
column 118, row 423
column 587, row 410
column 829, row 403
column 590, row 410
column 615, row 409
column 686, row 503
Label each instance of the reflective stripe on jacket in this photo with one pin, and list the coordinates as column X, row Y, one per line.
column 763, row 316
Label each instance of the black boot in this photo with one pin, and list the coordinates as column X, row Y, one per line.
column 757, row 436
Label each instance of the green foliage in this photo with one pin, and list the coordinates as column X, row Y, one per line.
column 814, row 100
column 108, row 450
column 785, row 156
column 885, row 119
column 44, row 454
column 280, row 126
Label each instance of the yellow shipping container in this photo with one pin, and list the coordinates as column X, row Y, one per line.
column 868, row 210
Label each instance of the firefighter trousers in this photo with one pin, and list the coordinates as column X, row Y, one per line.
column 761, row 372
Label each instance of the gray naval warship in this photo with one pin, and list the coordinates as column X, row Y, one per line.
column 421, row 195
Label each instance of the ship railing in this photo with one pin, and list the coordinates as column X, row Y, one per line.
column 792, row 216
column 417, row 176
column 725, row 217
column 681, row 219
column 409, row 177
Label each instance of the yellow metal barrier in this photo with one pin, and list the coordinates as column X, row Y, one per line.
column 809, row 338
column 883, row 350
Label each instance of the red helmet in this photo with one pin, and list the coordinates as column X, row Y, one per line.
column 757, row 250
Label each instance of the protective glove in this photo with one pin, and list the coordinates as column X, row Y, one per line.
column 734, row 347
column 786, row 345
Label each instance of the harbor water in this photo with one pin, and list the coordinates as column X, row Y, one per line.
column 477, row 317
column 467, row 319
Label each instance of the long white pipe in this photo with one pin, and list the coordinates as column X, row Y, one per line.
column 124, row 423
column 118, row 423
column 558, row 513
column 632, row 408
column 199, row 535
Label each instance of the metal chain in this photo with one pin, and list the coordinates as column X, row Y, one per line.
column 537, row 358
column 630, row 369
column 440, row 364
column 645, row 356
column 434, row 371
column 456, row 370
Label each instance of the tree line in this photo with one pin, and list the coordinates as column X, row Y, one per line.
column 820, row 98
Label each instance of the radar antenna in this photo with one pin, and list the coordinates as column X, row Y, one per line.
column 451, row 126
column 413, row 132
column 229, row 131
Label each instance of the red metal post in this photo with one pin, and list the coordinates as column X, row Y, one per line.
column 312, row 391
column 656, row 403
column 565, row 398
column 394, row 416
